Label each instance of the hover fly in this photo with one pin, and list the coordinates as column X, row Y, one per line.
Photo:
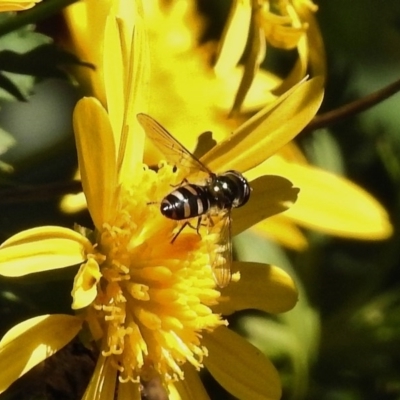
column 216, row 196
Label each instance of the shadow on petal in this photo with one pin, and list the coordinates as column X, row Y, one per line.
column 270, row 195
column 261, row 287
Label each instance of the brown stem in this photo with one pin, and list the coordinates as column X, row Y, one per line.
column 353, row 108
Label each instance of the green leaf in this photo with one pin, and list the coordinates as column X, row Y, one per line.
column 16, row 86
column 23, row 40
column 6, row 141
column 25, row 55
column 12, row 89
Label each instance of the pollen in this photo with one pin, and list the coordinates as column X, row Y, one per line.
column 154, row 298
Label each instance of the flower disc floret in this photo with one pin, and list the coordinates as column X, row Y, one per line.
column 154, row 297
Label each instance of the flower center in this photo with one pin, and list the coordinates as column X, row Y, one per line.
column 155, row 296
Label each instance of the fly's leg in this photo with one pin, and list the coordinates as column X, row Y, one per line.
column 183, row 182
column 210, row 222
column 187, row 223
column 180, row 230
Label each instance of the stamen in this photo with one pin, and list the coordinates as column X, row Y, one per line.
column 154, row 297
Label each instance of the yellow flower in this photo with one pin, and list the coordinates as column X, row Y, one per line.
column 284, row 24
column 152, row 306
column 17, row 5
column 327, row 203
column 182, row 79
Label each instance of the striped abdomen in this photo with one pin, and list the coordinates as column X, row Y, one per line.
column 188, row 201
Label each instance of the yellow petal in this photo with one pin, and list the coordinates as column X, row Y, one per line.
column 333, row 205
column 262, row 287
column 291, row 152
column 42, row 249
column 299, row 69
column 85, row 284
column 46, row 232
column 240, row 367
column 267, row 131
column 73, row 203
column 86, row 21
column 317, row 56
column 17, row 5
column 102, row 384
column 31, row 342
column 97, row 159
column 234, row 37
column 282, row 31
column 282, row 230
column 131, row 147
column 256, row 53
column 270, row 195
column 288, row 37
column 190, row 388
column 260, row 92
column 113, row 71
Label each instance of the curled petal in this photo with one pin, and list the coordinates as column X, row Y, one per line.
column 316, row 48
column 259, row 94
column 256, row 54
column 85, row 284
column 233, row 38
column 240, row 367
column 270, row 195
column 261, row 287
column 42, row 249
column 279, row 34
column 299, row 69
column 31, row 342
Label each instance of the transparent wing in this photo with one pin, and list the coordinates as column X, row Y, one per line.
column 175, row 152
column 221, row 256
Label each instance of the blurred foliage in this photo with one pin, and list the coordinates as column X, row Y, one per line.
column 342, row 341
column 15, row 80
column 26, row 55
column 20, row 71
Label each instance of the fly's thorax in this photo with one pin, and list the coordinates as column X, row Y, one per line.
column 230, row 189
